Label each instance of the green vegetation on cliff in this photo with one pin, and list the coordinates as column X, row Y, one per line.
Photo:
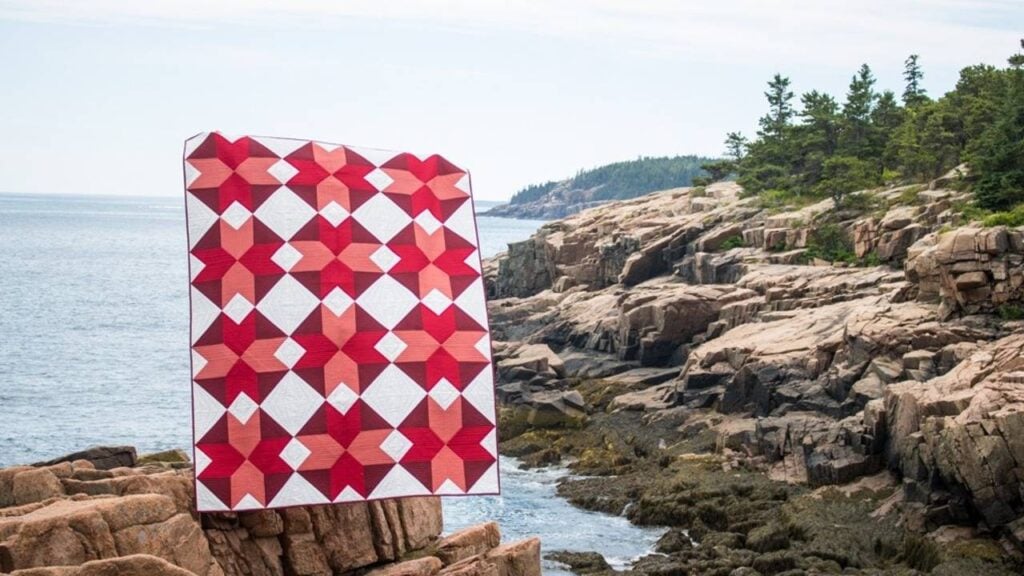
column 623, row 180
column 825, row 148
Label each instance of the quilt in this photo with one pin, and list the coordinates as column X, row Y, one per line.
column 340, row 344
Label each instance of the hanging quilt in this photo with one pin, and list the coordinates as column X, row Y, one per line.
column 340, row 345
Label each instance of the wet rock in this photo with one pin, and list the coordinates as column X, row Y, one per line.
column 775, row 562
column 102, row 457
column 164, row 458
column 582, row 364
column 724, row 539
column 674, row 540
column 554, row 408
column 582, row 562
column 768, row 538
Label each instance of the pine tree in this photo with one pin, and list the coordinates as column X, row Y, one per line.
column 998, row 155
column 820, row 113
column 780, row 107
column 860, row 101
column 735, row 145
column 817, row 136
column 767, row 163
column 885, row 120
column 913, row 94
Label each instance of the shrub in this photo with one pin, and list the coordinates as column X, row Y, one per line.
column 891, row 176
column 733, row 242
column 1011, row 218
column 1010, row 312
column 778, row 199
column 871, row 259
column 907, row 196
column 829, row 242
column 920, row 553
column 844, row 175
column 862, row 202
column 971, row 211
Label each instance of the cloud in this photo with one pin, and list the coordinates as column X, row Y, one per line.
column 788, row 32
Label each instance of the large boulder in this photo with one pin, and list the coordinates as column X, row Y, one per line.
column 658, row 317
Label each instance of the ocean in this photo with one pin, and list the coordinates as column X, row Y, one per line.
column 94, row 350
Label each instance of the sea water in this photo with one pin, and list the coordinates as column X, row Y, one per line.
column 94, row 350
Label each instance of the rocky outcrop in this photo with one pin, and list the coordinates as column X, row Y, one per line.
column 903, row 356
column 889, row 236
column 635, row 240
column 970, row 270
column 963, row 431
column 77, row 518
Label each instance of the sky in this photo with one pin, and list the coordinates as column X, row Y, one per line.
column 97, row 96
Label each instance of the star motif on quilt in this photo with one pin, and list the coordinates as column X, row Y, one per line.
column 336, row 257
column 340, row 350
column 339, row 331
column 244, row 458
column 231, row 260
column 232, row 171
column 345, row 451
column 429, row 262
column 331, row 175
column 237, row 358
column 446, row 444
column 440, row 347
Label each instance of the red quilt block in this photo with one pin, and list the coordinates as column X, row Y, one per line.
column 339, row 330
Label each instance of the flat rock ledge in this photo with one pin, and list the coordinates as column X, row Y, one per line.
column 108, row 513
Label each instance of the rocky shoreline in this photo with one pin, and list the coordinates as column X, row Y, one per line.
column 701, row 358
column 104, row 512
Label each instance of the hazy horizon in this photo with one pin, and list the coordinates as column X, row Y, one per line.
column 99, row 95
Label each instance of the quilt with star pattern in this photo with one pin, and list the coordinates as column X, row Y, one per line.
column 340, row 344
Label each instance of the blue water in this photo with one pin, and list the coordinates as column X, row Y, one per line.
column 94, row 350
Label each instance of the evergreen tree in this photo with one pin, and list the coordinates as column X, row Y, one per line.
column 860, row 101
column 780, row 107
column 735, row 150
column 735, row 145
column 834, row 151
column 821, row 114
column 886, row 118
column 998, row 155
column 927, row 142
column 844, row 175
column 817, row 136
column 976, row 100
column 913, row 93
column 768, row 160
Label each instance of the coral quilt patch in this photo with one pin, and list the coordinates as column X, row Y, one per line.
column 340, row 345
